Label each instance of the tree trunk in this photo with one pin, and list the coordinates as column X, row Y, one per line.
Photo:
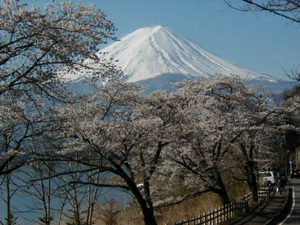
column 149, row 217
column 223, row 195
column 148, row 211
column 252, row 180
column 254, row 188
column 221, row 189
column 9, row 218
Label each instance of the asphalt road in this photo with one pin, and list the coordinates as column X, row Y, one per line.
column 294, row 216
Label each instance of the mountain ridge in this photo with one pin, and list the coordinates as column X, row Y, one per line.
column 157, row 56
column 149, row 52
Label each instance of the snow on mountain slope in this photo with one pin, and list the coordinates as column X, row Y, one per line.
column 149, row 52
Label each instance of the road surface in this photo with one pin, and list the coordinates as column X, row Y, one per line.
column 294, row 216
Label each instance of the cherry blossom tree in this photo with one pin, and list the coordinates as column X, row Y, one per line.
column 20, row 139
column 37, row 48
column 291, row 138
column 126, row 133
column 16, row 129
column 35, row 45
column 223, row 112
column 35, row 180
column 211, row 105
column 147, row 143
column 253, row 151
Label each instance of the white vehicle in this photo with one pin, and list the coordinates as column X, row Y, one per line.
column 268, row 178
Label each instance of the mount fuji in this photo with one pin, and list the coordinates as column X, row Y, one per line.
column 156, row 56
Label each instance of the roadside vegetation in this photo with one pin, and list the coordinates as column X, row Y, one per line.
column 205, row 142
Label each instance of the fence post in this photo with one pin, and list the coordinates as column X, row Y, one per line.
column 222, row 214
column 208, row 218
column 225, row 212
column 235, row 206
column 246, row 207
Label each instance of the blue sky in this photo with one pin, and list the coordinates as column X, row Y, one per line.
column 258, row 41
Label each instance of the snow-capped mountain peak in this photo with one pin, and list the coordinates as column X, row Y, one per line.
column 149, row 52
